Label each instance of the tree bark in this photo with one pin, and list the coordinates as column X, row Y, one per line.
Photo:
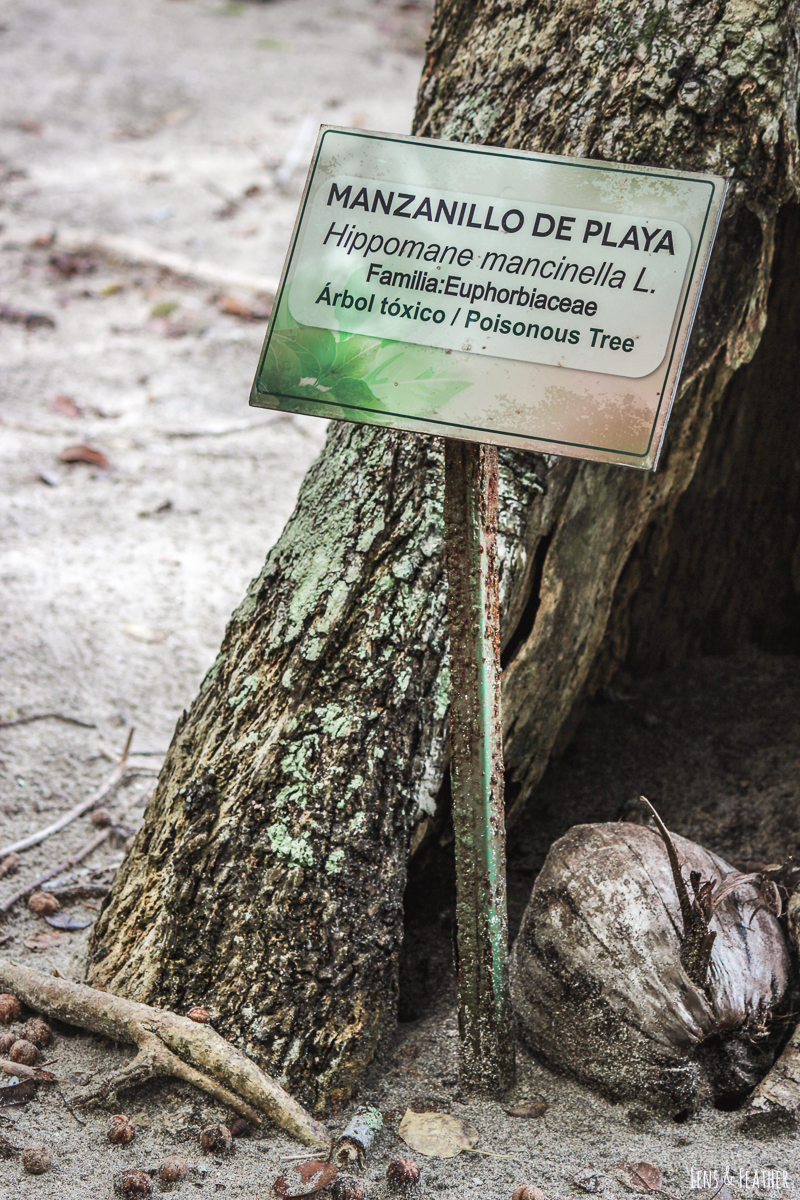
column 268, row 878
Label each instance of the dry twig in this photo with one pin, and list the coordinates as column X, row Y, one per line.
column 48, row 716
column 66, row 865
column 81, row 891
column 33, row 839
column 167, row 1045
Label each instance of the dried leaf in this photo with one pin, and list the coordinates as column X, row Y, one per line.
column 31, row 320
column 534, row 1108
column 144, row 633
column 303, row 1179
column 85, row 454
column 436, row 1134
column 594, row 1184
column 644, row 1177
column 9, row 864
column 67, row 920
column 43, row 941
column 235, row 308
column 65, row 405
column 17, row 1093
column 67, row 265
column 164, row 308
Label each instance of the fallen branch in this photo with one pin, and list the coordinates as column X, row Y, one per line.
column 167, row 1045
column 33, row 839
column 66, row 865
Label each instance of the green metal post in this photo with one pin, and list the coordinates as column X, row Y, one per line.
column 476, row 736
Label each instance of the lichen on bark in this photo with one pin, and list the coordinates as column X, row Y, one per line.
column 267, row 880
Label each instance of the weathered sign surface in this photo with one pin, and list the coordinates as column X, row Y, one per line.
column 523, row 299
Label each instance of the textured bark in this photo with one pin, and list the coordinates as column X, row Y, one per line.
column 268, row 878
column 267, row 881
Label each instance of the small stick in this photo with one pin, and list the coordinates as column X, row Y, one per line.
column 81, row 891
column 49, row 716
column 67, row 865
column 33, row 839
column 490, row 1153
column 69, row 1107
column 11, row 1068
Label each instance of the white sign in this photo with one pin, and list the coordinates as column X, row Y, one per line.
column 529, row 300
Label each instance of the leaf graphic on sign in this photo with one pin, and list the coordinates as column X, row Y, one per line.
column 312, row 363
column 339, row 368
column 353, row 392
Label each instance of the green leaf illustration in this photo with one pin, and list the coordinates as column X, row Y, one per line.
column 352, row 370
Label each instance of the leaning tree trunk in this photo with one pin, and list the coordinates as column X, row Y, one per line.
column 268, row 878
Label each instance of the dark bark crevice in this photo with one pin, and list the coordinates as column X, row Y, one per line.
column 725, row 572
column 524, row 626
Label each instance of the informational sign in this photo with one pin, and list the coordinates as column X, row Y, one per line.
column 528, row 300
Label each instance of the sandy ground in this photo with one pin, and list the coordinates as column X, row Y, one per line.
column 187, row 126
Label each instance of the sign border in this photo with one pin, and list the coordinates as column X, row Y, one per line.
column 439, row 425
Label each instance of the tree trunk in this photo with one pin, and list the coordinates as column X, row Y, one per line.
column 268, row 878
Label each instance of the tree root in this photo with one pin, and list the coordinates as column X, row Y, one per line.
column 167, row 1045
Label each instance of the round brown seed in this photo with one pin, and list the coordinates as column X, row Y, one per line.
column 172, row 1170
column 216, row 1139
column 36, row 1031
column 10, row 1008
column 24, row 1052
column 201, row 1015
column 43, row 904
column 120, row 1131
column 528, row 1191
column 36, row 1158
column 403, row 1175
column 6, row 1042
column 132, row 1183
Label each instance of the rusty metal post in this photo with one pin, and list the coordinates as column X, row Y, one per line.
column 470, row 520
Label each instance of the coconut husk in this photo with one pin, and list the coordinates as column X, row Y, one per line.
column 598, row 984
